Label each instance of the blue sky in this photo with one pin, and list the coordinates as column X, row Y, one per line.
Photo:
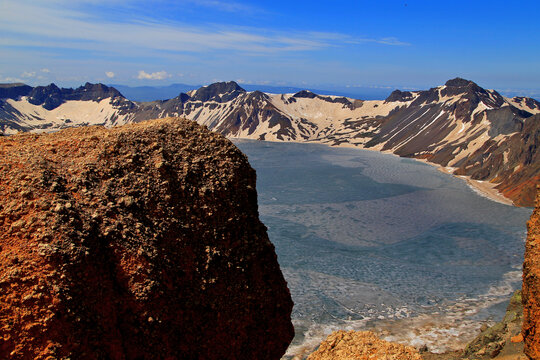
column 324, row 44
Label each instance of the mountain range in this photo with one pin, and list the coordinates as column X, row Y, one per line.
column 150, row 93
column 461, row 126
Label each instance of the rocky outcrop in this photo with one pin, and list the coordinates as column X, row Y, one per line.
column 502, row 340
column 139, row 242
column 361, row 345
column 531, row 285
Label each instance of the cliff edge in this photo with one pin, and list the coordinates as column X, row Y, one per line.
column 531, row 285
column 138, row 242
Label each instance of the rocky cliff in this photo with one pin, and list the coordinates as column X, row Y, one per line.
column 531, row 285
column 139, row 242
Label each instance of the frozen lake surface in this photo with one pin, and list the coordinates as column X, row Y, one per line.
column 370, row 240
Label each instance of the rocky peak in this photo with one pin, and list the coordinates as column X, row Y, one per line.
column 305, row 94
column 219, row 92
column 94, row 92
column 459, row 82
column 51, row 96
column 471, row 91
column 398, row 95
column 455, row 87
column 257, row 95
column 460, row 86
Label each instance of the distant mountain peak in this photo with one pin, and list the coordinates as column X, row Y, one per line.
column 219, row 92
column 99, row 91
column 460, row 82
column 398, row 95
column 305, row 94
column 224, row 87
column 51, row 96
column 472, row 92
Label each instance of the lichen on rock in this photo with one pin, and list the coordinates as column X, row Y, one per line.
column 138, row 242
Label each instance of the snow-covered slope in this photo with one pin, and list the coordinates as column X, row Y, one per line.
column 49, row 108
column 71, row 113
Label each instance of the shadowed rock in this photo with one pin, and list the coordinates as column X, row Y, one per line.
column 531, row 285
column 139, row 242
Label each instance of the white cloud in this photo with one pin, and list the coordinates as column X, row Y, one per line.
column 109, row 74
column 159, row 75
column 392, row 41
column 28, row 74
column 60, row 26
column 45, row 70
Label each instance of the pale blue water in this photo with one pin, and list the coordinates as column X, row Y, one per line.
column 364, row 238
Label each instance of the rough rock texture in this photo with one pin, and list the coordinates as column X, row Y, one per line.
column 139, row 242
column 503, row 339
column 361, row 345
column 531, row 285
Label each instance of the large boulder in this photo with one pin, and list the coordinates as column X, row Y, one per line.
column 531, row 285
column 138, row 242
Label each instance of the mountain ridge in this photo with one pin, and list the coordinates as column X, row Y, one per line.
column 461, row 126
column 166, row 92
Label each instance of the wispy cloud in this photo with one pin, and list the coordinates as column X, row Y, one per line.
column 56, row 25
column 228, row 6
column 10, row 79
column 390, row 41
column 159, row 75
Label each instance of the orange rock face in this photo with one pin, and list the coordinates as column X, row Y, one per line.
column 139, row 242
column 531, row 285
column 361, row 345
